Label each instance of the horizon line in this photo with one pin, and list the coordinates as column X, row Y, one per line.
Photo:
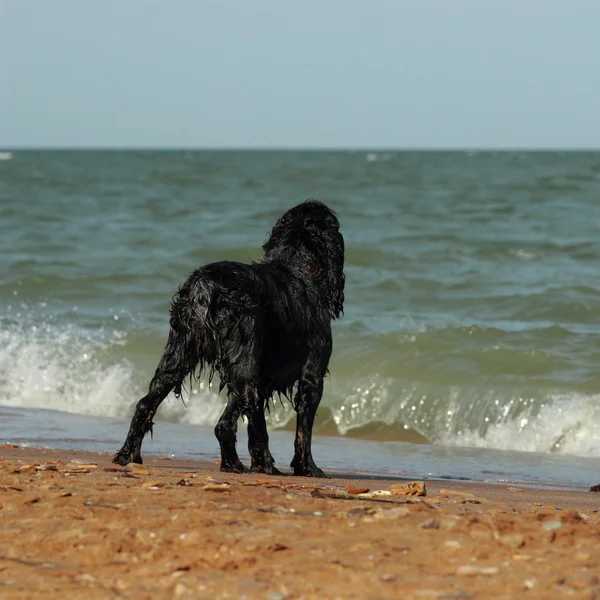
column 297, row 149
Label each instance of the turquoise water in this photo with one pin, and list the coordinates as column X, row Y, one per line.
column 472, row 320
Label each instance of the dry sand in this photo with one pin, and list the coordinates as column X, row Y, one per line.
column 72, row 525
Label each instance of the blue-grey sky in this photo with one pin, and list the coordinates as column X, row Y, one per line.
column 300, row 74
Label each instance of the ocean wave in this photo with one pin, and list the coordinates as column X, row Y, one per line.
column 69, row 368
column 566, row 424
column 453, row 385
column 61, row 367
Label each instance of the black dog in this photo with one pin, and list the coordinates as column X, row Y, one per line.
column 264, row 328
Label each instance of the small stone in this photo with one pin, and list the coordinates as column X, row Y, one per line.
column 153, row 485
column 452, row 545
column 515, row 490
column 74, row 468
column 511, row 540
column 180, row 590
column 551, row 525
column 583, row 556
column 47, row 467
column 472, row 570
column 429, row 524
column 216, row 487
column 336, row 493
column 137, row 469
column 375, row 494
column 412, row 488
column 119, row 584
column 357, row 490
column 25, row 468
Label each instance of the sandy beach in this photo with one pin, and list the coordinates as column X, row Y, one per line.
column 73, row 525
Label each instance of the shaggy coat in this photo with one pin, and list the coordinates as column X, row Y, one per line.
column 264, row 328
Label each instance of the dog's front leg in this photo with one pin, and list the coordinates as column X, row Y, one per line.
column 308, row 397
column 226, row 432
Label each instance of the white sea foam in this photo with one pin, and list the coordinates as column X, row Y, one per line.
column 70, row 369
column 565, row 424
column 44, row 366
column 74, row 370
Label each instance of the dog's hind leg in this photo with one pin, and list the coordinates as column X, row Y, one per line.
column 170, row 374
column 258, row 443
column 226, row 432
column 306, row 402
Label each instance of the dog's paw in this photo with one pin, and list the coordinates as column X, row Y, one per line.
column 315, row 472
column 124, row 458
column 306, row 468
column 310, row 471
column 237, row 467
column 272, row 470
column 121, row 459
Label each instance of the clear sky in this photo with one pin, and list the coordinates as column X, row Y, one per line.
column 300, row 73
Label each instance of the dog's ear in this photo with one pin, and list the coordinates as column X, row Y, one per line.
column 333, row 263
column 308, row 236
column 276, row 242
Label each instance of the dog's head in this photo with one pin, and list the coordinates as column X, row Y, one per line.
column 308, row 235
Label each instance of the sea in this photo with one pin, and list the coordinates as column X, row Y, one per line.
column 470, row 343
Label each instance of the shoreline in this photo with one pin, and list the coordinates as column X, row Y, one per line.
column 74, row 524
column 579, row 496
column 341, row 454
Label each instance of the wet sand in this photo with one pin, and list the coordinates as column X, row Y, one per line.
column 73, row 525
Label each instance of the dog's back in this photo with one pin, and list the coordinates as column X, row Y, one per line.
column 229, row 312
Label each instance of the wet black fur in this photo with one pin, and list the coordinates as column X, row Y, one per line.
column 264, row 328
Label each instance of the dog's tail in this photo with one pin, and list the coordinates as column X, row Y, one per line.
column 192, row 343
